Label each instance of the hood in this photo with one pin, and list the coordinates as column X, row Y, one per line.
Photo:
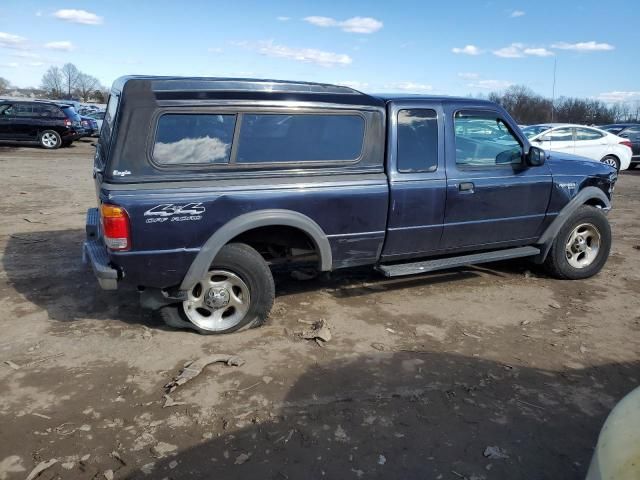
column 568, row 164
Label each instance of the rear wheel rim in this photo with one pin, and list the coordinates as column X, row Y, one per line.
column 218, row 302
column 49, row 140
column 583, row 246
column 611, row 162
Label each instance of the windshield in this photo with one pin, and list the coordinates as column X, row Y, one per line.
column 534, row 130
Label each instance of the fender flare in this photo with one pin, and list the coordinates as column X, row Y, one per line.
column 249, row 221
column 583, row 196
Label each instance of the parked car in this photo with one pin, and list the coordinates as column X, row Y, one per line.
column 47, row 123
column 584, row 141
column 204, row 184
column 90, row 126
column 630, row 131
column 98, row 117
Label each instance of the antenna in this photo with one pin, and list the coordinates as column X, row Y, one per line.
column 553, row 91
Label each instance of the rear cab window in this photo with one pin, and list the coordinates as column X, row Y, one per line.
column 246, row 138
column 417, row 140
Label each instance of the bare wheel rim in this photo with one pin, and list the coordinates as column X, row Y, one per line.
column 49, row 139
column 611, row 162
column 583, row 245
column 218, row 302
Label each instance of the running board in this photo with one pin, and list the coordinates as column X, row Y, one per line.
column 402, row 269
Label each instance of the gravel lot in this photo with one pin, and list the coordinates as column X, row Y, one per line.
column 421, row 376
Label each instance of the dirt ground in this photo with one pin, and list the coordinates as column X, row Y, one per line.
column 421, row 376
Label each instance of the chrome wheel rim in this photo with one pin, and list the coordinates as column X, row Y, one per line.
column 583, row 245
column 49, row 140
column 218, row 302
column 611, row 162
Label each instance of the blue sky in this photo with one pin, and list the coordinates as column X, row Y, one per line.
column 420, row 46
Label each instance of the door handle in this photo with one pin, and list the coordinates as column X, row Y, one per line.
column 466, row 187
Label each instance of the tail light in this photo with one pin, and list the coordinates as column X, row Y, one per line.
column 115, row 227
column 627, row 143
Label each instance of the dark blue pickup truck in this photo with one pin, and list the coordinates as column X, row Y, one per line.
column 204, row 184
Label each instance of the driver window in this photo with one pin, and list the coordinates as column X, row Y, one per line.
column 484, row 140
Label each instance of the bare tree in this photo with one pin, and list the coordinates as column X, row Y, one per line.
column 70, row 74
column 86, row 86
column 52, row 82
column 4, row 85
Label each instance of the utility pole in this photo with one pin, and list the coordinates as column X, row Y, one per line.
column 553, row 91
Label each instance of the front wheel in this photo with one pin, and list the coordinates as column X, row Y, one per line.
column 582, row 245
column 237, row 292
column 50, row 139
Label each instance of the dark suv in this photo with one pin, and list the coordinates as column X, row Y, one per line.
column 204, row 185
column 47, row 123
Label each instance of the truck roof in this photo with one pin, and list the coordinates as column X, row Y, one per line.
column 186, row 88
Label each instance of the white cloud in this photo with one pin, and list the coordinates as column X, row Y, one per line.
column 78, row 16
column 467, row 50
column 619, row 96
column 35, row 64
column 512, row 51
column 361, row 25
column 351, row 25
column 283, row 19
column 490, row 84
column 519, row 50
column 583, row 46
column 61, row 45
column 8, row 40
column 39, row 13
column 9, row 65
column 469, row 75
column 410, row 87
column 538, row 52
column 215, row 50
column 310, row 55
column 517, row 13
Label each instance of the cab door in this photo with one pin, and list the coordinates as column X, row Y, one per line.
column 493, row 198
column 417, row 179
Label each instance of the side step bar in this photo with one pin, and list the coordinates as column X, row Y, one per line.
column 401, row 269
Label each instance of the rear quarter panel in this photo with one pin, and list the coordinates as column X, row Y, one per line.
column 350, row 209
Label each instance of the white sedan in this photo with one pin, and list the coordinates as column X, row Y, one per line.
column 584, row 141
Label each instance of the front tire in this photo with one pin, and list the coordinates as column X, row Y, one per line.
column 612, row 161
column 582, row 245
column 237, row 292
column 50, row 139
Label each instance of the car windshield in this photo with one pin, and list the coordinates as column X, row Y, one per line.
column 534, row 130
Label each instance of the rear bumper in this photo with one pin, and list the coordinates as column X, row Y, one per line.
column 95, row 253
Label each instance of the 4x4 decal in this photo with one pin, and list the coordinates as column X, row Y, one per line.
column 176, row 213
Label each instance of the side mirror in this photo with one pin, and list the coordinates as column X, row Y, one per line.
column 536, row 157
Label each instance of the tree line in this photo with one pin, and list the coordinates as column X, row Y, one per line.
column 67, row 82
column 528, row 108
